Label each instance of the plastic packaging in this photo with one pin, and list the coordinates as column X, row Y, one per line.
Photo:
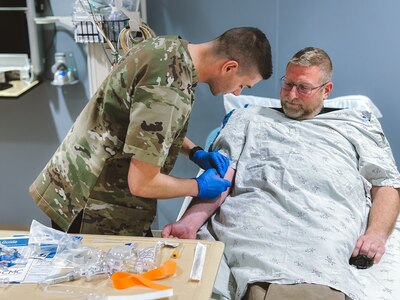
column 121, row 258
column 60, row 278
column 149, row 258
column 76, row 260
column 80, row 292
column 198, row 262
column 47, row 242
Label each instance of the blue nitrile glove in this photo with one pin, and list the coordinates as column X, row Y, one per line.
column 207, row 160
column 211, row 185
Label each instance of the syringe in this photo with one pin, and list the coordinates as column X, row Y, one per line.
column 59, row 278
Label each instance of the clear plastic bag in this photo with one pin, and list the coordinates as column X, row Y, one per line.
column 47, row 242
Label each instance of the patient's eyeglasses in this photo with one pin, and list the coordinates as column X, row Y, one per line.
column 302, row 89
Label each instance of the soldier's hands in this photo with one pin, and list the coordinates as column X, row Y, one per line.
column 371, row 245
column 178, row 230
column 211, row 185
column 207, row 160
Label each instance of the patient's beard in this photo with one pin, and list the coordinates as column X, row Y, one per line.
column 295, row 110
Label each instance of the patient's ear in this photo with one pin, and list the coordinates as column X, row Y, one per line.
column 327, row 89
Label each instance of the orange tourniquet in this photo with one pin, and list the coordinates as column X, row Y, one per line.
column 123, row 280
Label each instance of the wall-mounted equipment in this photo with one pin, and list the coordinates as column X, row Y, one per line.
column 64, row 69
column 21, row 58
column 112, row 27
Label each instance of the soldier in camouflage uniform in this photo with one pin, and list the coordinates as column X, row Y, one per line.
column 114, row 161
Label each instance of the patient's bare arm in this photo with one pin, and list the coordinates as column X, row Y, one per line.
column 382, row 219
column 198, row 212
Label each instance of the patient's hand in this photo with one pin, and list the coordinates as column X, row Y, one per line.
column 178, row 230
column 371, row 245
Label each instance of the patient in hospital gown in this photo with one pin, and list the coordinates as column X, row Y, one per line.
column 302, row 196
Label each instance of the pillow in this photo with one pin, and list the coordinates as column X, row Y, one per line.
column 354, row 101
column 232, row 102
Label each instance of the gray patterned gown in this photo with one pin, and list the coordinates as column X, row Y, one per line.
column 301, row 195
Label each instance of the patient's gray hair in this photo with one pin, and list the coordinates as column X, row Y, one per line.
column 311, row 56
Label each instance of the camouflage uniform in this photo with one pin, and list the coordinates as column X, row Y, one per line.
column 141, row 110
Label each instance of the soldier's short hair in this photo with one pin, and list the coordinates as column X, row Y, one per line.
column 249, row 47
column 311, row 56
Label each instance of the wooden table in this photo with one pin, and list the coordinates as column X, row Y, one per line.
column 183, row 287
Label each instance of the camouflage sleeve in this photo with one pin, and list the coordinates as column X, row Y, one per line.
column 157, row 116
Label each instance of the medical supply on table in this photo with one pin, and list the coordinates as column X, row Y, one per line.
column 209, row 186
column 147, row 259
column 46, row 277
column 43, row 239
column 99, row 269
column 177, row 251
column 91, row 263
column 123, row 280
column 116, row 258
column 68, row 260
column 121, row 258
column 60, row 278
column 168, row 244
column 80, row 292
column 198, row 262
column 94, row 276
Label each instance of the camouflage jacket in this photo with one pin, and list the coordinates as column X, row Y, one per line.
column 141, row 110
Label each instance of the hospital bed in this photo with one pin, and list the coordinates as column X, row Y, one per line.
column 381, row 281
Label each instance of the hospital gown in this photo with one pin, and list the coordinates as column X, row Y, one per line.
column 301, row 195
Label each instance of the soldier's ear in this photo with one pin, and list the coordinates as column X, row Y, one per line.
column 230, row 66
